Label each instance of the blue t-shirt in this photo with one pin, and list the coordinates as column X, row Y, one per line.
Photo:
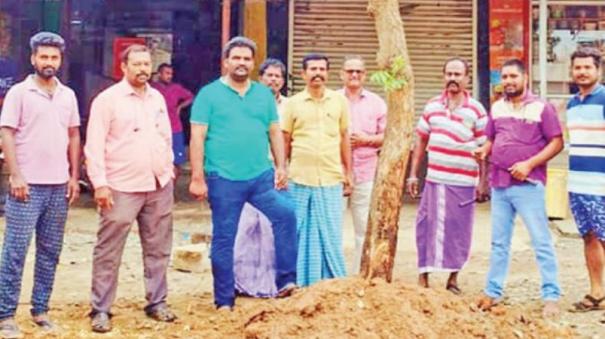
column 237, row 142
column 586, row 126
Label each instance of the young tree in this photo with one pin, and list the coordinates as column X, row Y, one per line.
column 381, row 237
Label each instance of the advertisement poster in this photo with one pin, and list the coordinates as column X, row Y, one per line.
column 509, row 36
column 119, row 45
column 160, row 45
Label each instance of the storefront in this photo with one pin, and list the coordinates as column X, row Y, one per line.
column 184, row 33
column 568, row 25
column 435, row 31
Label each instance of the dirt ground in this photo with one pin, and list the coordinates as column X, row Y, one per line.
column 340, row 308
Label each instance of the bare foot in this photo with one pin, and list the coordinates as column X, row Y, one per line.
column 550, row 310
column 485, row 303
column 44, row 322
column 423, row 280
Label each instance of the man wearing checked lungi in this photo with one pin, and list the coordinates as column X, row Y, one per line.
column 450, row 128
column 315, row 125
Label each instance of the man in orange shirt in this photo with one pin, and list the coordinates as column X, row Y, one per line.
column 129, row 158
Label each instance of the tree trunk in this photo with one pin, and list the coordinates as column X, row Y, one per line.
column 381, row 237
column 255, row 28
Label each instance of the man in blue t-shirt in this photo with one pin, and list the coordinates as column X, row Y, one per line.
column 586, row 180
column 233, row 120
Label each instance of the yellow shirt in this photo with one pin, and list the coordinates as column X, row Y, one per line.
column 315, row 127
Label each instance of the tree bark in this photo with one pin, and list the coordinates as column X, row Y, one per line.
column 255, row 28
column 381, row 236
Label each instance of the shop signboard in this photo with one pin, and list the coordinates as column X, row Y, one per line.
column 508, row 37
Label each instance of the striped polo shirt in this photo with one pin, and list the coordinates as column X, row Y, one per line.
column 586, row 126
column 452, row 136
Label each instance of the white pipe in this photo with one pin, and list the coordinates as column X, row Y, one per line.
column 542, row 44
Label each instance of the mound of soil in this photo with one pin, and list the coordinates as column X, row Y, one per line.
column 339, row 308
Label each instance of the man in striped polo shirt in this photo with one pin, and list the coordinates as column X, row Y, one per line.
column 523, row 134
column 586, row 182
column 450, row 128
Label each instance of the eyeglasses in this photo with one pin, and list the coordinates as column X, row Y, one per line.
column 352, row 71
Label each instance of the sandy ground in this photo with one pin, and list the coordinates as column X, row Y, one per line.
column 347, row 308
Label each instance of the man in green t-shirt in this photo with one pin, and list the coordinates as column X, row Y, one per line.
column 233, row 120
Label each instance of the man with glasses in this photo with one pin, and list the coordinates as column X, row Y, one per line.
column 368, row 121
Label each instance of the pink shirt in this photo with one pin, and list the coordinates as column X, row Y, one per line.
column 368, row 116
column 129, row 140
column 174, row 94
column 41, row 124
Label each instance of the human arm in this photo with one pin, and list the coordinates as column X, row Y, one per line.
column 521, row 170
column 19, row 188
column 417, row 157
column 73, row 186
column 277, row 148
column 96, row 138
column 551, row 130
column 198, row 187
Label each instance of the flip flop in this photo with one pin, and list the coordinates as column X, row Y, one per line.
column 581, row 307
column 9, row 329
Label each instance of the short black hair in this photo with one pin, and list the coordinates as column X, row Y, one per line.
column 164, row 65
column 272, row 62
column 463, row 61
column 588, row 52
column 515, row 62
column 239, row 41
column 315, row 56
column 46, row 39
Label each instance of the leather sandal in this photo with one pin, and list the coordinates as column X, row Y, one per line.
column 101, row 322
column 581, row 306
column 161, row 313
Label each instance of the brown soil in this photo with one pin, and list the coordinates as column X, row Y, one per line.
column 343, row 308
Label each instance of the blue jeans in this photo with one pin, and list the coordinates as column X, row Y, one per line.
column 528, row 201
column 45, row 214
column 227, row 198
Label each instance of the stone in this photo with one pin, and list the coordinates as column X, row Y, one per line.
column 200, row 238
column 191, row 258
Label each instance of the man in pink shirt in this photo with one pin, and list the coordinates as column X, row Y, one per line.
column 177, row 97
column 129, row 159
column 368, row 120
column 41, row 143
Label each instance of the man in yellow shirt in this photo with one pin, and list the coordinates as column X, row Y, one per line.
column 315, row 124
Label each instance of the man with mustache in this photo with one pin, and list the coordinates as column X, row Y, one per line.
column 233, row 122
column 254, row 263
column 586, row 179
column 129, row 161
column 450, row 128
column 368, row 121
column 40, row 129
column 272, row 73
column 316, row 131
column 523, row 134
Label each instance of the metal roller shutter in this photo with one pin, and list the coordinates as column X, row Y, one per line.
column 435, row 30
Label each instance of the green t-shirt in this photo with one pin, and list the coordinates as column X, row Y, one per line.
column 237, row 143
